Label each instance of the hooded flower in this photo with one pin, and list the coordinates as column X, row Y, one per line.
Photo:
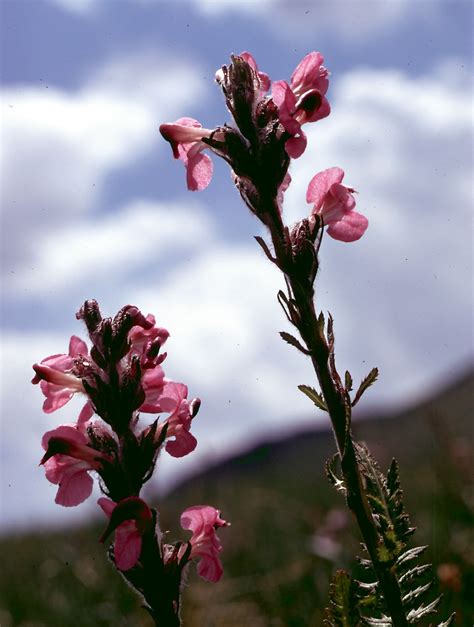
column 173, row 399
column 335, row 204
column 302, row 101
column 68, row 460
column 130, row 519
column 185, row 136
column 203, row 520
column 56, row 378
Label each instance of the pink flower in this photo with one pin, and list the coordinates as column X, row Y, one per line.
column 54, row 374
column 185, row 136
column 67, row 461
column 147, row 342
column 203, row 520
column 130, row 519
column 302, row 101
column 173, row 399
column 335, row 204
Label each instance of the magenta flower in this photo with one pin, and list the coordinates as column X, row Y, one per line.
column 68, row 460
column 130, row 519
column 174, row 400
column 335, row 204
column 147, row 342
column 55, row 376
column 302, row 101
column 185, row 136
column 203, row 520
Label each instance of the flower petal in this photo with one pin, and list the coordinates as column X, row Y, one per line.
column 320, row 184
column 350, row 228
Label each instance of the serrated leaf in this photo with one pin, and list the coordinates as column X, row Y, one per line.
column 415, row 616
column 369, row 380
column 410, row 555
column 343, row 604
column 314, row 396
column 413, row 573
column 290, row 339
column 449, row 622
column 416, row 593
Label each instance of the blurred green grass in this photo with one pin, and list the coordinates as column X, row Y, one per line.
column 290, row 532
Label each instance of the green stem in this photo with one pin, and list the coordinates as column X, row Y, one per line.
column 317, row 345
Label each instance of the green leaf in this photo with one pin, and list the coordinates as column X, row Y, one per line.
column 343, row 603
column 314, row 396
column 290, row 339
column 369, row 380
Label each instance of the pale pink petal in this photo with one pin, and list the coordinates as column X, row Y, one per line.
column 86, row 414
column 285, row 100
column 320, row 184
column 199, row 517
column 307, row 70
column 350, row 228
column 295, row 146
column 199, row 172
column 56, row 397
column 77, row 347
column 107, row 505
column 75, row 486
column 184, row 443
column 68, row 432
column 210, row 569
column 127, row 545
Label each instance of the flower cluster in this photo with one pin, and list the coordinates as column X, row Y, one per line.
column 121, row 378
column 269, row 117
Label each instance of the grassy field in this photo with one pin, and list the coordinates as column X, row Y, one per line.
column 290, row 532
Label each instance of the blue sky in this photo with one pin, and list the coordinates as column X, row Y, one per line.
column 94, row 206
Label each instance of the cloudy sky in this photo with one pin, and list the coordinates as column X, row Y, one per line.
column 93, row 205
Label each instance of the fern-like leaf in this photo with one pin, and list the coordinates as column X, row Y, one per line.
column 369, row 380
column 343, row 608
column 314, row 396
column 385, row 498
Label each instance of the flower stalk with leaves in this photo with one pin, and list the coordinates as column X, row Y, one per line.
column 267, row 135
column 122, row 378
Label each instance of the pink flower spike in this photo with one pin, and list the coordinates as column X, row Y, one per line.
column 203, row 520
column 185, row 136
column 130, row 519
column 335, row 203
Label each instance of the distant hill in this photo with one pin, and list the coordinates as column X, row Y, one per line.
column 290, row 530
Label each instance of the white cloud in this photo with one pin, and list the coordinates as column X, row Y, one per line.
column 399, row 296
column 78, row 7
column 131, row 240
column 58, row 146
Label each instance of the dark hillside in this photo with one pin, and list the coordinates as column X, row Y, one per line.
column 289, row 533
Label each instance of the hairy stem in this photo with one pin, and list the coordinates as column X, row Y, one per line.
column 313, row 337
